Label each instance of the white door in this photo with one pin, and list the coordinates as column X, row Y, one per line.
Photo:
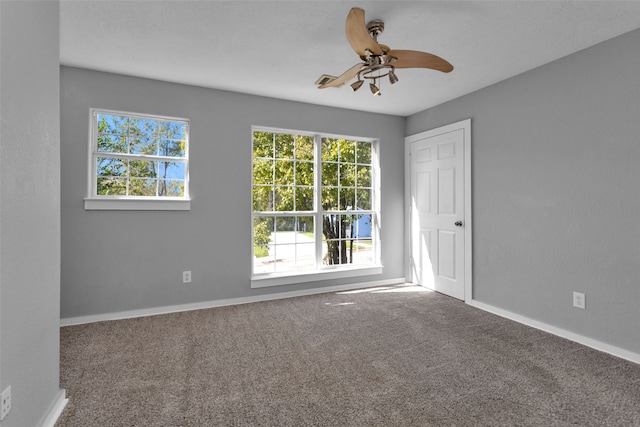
column 437, row 209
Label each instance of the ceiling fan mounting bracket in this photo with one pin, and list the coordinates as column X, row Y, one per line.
column 375, row 28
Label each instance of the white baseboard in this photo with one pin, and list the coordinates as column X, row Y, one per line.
column 572, row 336
column 55, row 410
column 221, row 303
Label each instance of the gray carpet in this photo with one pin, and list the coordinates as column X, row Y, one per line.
column 387, row 357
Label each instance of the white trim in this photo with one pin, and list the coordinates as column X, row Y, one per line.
column 572, row 336
column 55, row 410
column 222, row 303
column 136, row 204
column 465, row 125
column 288, row 278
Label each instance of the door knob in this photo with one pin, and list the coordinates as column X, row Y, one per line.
column 458, row 223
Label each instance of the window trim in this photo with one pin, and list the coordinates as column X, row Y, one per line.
column 324, row 272
column 333, row 272
column 96, row 202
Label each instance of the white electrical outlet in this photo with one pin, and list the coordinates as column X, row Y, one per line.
column 579, row 300
column 5, row 399
column 186, row 276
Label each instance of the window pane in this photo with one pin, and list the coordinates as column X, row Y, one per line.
column 112, row 143
column 364, row 152
column 362, row 227
column 363, row 199
column 330, row 174
column 285, row 225
column 284, row 258
column 142, row 187
column 306, row 256
column 284, row 146
column 175, row 170
column 346, row 231
column 304, row 199
column 106, row 166
column 347, row 175
column 262, row 229
column 143, row 168
column 304, row 148
column 330, row 150
column 172, row 130
column 113, row 124
column 304, row 173
column 262, row 199
column 263, row 171
column 172, row 148
column 305, row 226
column 330, row 198
column 332, row 252
column 111, row 186
column 331, row 226
column 364, row 176
column 347, row 198
column 284, row 172
column 140, row 145
column 170, row 187
column 264, row 259
column 362, row 252
column 263, row 144
column 284, row 199
column 147, row 128
column 262, row 262
column 347, row 151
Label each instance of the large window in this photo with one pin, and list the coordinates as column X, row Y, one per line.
column 314, row 203
column 137, row 157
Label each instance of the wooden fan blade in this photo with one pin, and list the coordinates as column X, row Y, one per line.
column 416, row 59
column 358, row 35
column 345, row 77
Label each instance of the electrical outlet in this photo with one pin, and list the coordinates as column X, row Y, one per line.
column 186, row 276
column 579, row 300
column 5, row 399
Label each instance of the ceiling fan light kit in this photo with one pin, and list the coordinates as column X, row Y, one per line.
column 356, row 85
column 378, row 60
column 374, row 88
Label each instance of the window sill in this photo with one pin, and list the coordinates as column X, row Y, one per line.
column 279, row 279
column 136, row 204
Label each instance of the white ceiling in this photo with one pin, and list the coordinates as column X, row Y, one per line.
column 280, row 48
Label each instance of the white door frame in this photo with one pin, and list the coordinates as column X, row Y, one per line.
column 465, row 125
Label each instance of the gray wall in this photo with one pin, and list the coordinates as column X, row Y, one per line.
column 115, row 261
column 29, row 209
column 556, row 168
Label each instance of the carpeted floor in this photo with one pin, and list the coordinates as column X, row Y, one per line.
column 395, row 356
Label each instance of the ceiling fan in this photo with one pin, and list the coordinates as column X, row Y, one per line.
column 378, row 59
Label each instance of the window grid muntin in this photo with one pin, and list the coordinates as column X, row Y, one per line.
column 339, row 216
column 280, row 184
column 127, row 157
column 318, row 212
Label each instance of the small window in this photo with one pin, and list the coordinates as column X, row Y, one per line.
column 138, row 162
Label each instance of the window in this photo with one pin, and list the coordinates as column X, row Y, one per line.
column 314, row 204
column 138, row 162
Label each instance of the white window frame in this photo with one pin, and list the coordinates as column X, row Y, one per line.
column 323, row 272
column 93, row 201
